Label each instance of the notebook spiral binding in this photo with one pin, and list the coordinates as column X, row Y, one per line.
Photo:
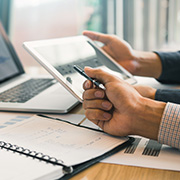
column 37, row 155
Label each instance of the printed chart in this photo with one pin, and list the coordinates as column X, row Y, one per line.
column 12, row 119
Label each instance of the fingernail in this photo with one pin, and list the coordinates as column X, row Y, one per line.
column 99, row 94
column 106, row 115
column 106, row 104
column 87, row 84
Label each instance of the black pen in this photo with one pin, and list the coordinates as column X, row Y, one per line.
column 81, row 71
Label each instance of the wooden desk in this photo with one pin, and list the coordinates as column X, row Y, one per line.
column 106, row 171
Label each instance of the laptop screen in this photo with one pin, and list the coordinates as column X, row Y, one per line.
column 7, row 66
column 10, row 65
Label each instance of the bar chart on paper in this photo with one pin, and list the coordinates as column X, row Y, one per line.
column 147, row 153
column 152, row 148
column 11, row 119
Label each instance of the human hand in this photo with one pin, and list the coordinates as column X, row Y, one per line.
column 146, row 91
column 117, row 48
column 112, row 113
column 136, row 62
column 120, row 110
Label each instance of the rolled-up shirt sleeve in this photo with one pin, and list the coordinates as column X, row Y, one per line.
column 169, row 131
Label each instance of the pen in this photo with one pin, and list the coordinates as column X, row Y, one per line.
column 81, row 71
column 82, row 121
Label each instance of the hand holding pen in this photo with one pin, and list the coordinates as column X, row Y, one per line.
column 81, row 71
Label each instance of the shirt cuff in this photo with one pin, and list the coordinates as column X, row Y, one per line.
column 168, row 95
column 169, row 131
column 170, row 67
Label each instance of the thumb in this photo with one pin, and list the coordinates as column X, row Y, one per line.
column 95, row 36
column 100, row 75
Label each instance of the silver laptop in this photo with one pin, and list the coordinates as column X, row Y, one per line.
column 24, row 93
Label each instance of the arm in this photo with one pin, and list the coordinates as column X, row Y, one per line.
column 149, row 64
column 164, row 95
column 132, row 114
column 164, row 66
column 136, row 62
column 170, row 74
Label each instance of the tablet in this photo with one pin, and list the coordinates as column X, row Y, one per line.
column 58, row 56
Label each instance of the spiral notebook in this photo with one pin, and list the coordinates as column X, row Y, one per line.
column 60, row 143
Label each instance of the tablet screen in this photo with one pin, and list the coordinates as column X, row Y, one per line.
column 62, row 56
column 63, row 53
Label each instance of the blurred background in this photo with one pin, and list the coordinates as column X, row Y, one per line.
column 145, row 24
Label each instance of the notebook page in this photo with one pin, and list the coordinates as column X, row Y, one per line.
column 61, row 140
column 15, row 166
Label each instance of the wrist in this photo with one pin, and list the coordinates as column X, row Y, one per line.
column 148, row 64
column 146, row 91
column 152, row 93
column 147, row 118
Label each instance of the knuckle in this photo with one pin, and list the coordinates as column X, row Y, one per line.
column 98, row 70
column 84, row 105
column 107, row 105
column 83, row 95
column 88, row 114
column 97, row 114
column 86, row 94
column 113, row 36
column 92, row 114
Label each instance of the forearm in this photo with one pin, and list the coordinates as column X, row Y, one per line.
column 164, row 95
column 147, row 118
column 148, row 64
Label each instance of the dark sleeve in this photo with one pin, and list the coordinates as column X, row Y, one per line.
column 168, row 95
column 170, row 67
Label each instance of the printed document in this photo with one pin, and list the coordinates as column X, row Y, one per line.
column 66, row 142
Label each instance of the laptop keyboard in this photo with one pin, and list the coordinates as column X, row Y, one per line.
column 68, row 68
column 26, row 90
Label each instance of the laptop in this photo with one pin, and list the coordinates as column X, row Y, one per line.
column 58, row 56
column 24, row 93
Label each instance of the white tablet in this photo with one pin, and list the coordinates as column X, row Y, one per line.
column 58, row 56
